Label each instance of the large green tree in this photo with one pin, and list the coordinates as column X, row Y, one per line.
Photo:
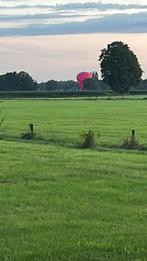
column 120, row 67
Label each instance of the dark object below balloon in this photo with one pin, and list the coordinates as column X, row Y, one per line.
column 82, row 76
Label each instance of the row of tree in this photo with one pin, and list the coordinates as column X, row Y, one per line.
column 22, row 81
column 120, row 71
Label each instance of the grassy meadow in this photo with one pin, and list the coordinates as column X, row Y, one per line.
column 61, row 202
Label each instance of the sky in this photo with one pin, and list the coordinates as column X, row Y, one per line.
column 58, row 39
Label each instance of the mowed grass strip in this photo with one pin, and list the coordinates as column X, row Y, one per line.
column 64, row 203
column 68, row 204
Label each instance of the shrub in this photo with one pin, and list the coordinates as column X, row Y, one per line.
column 50, row 94
column 28, row 136
column 88, row 139
column 131, row 143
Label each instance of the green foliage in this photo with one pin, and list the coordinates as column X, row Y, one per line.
column 14, row 81
column 131, row 143
column 51, row 94
column 138, row 92
column 88, row 139
column 120, row 67
column 53, row 85
column 142, row 86
column 28, row 135
column 95, row 85
column 90, row 84
column 23, row 82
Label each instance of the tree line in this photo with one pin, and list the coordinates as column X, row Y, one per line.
column 120, row 72
column 22, row 81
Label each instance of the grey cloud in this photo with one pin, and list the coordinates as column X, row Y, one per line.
column 99, row 5
column 26, row 7
column 63, row 11
column 122, row 23
column 80, row 6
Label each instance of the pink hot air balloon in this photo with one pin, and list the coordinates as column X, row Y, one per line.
column 82, row 76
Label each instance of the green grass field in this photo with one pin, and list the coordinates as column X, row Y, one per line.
column 61, row 202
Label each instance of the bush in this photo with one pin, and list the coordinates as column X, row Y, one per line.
column 131, row 143
column 88, row 139
column 28, row 136
column 50, row 94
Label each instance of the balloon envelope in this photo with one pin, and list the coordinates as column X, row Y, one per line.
column 81, row 77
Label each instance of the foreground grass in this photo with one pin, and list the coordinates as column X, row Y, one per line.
column 63, row 203
column 67, row 204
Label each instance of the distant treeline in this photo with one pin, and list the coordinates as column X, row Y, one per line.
column 22, row 81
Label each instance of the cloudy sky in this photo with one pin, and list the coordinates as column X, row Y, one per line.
column 57, row 39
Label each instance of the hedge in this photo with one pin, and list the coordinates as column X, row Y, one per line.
column 39, row 94
column 61, row 94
